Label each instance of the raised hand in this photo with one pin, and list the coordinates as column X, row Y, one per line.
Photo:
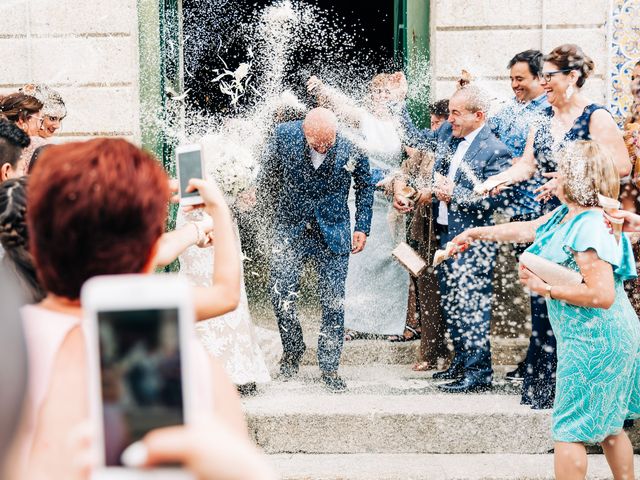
column 443, row 189
column 314, row 84
column 402, row 203
column 549, row 190
column 631, row 220
column 464, row 240
column 212, row 196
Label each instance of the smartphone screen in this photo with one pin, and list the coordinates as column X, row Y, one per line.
column 140, row 375
column 189, row 167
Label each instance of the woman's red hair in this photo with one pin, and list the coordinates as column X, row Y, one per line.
column 94, row 208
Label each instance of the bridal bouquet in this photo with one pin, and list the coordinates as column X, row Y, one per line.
column 231, row 164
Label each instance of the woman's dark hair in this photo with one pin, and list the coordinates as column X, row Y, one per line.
column 533, row 58
column 14, row 237
column 95, row 208
column 571, row 57
column 12, row 141
column 35, row 156
column 440, row 108
column 18, row 106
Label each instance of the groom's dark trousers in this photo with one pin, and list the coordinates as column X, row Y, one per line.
column 331, row 268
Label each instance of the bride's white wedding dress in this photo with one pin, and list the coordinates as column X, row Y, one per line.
column 231, row 338
column 377, row 287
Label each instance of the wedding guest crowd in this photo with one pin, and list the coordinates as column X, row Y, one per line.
column 545, row 161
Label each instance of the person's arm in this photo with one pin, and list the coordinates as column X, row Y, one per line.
column 173, row 243
column 631, row 220
column 513, row 232
column 423, row 139
column 597, row 291
column 226, row 400
column 343, row 106
column 604, row 131
column 269, row 181
column 364, row 202
column 223, row 295
column 208, row 449
column 464, row 196
column 521, row 169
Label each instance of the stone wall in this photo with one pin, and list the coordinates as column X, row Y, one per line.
column 87, row 50
column 482, row 36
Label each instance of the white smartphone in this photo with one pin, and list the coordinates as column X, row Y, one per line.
column 139, row 327
column 189, row 163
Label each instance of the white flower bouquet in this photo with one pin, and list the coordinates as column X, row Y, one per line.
column 230, row 162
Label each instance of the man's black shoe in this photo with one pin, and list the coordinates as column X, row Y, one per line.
column 516, row 375
column 451, row 373
column 466, row 385
column 289, row 367
column 333, row 382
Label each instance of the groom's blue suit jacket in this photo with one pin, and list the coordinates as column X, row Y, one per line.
column 485, row 157
column 302, row 195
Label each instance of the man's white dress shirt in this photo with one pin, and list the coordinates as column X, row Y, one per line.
column 456, row 160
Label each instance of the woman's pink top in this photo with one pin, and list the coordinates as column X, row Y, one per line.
column 46, row 331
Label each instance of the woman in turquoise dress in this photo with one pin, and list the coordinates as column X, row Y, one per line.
column 597, row 330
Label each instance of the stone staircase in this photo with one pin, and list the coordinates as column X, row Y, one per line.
column 394, row 424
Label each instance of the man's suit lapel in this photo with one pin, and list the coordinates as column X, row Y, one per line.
column 446, row 154
column 307, row 164
column 328, row 165
column 473, row 150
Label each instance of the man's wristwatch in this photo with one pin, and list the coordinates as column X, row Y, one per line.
column 547, row 292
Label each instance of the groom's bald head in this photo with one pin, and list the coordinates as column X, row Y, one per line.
column 320, row 129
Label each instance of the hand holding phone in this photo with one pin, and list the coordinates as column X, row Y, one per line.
column 189, row 166
column 140, row 327
column 210, row 195
column 209, row 449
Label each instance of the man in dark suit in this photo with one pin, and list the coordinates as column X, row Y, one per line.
column 466, row 154
column 312, row 167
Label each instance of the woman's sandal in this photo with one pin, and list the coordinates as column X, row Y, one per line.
column 350, row 335
column 415, row 335
column 424, row 367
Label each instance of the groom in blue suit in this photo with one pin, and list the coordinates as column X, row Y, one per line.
column 307, row 172
column 467, row 153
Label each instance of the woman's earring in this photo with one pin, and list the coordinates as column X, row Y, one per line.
column 569, row 93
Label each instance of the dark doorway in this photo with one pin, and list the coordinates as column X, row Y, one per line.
column 362, row 43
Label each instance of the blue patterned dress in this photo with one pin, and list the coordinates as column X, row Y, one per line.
column 598, row 376
column 538, row 388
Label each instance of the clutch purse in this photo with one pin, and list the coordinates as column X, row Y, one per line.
column 409, row 259
column 550, row 272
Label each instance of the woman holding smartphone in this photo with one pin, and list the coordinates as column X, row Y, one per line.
column 99, row 208
column 598, row 333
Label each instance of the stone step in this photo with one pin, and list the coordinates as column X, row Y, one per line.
column 390, row 409
column 505, row 351
column 428, row 467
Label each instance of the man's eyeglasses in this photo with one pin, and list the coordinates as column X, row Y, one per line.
column 546, row 76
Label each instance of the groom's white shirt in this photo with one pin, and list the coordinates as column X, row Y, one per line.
column 317, row 158
column 456, row 160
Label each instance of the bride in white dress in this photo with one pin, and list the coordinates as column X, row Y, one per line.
column 230, row 338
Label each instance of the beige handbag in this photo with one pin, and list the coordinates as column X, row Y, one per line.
column 552, row 273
